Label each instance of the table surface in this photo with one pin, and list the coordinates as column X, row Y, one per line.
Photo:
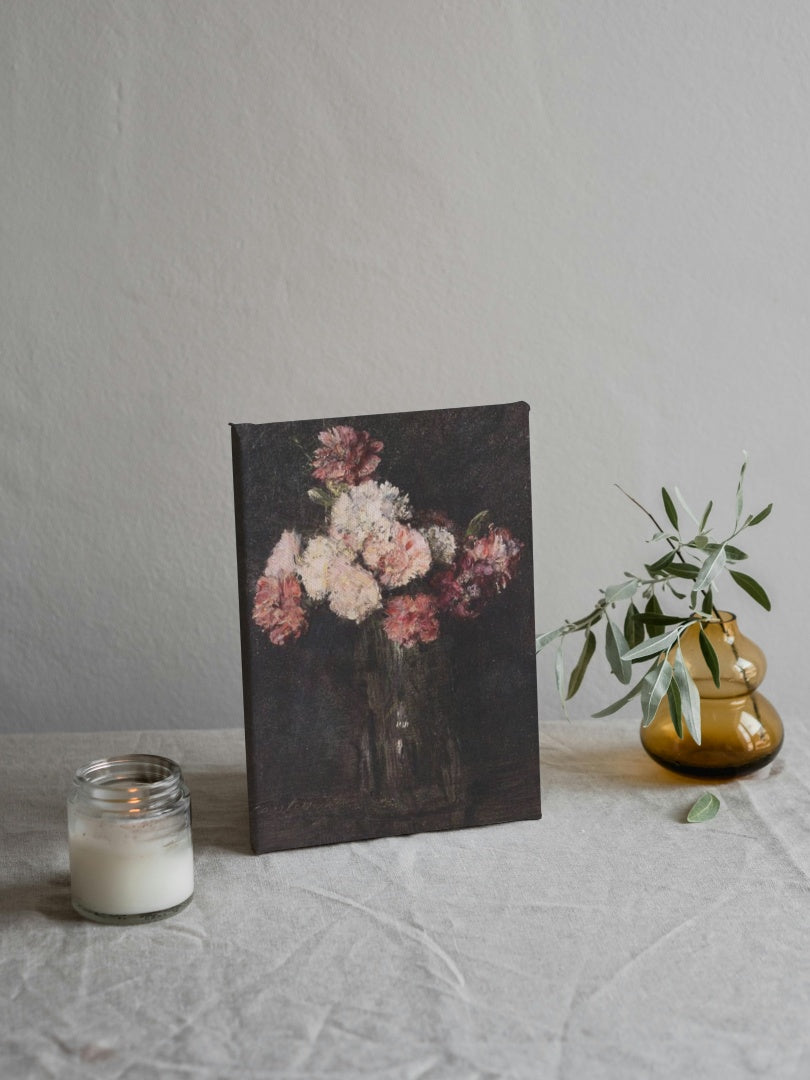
column 609, row 939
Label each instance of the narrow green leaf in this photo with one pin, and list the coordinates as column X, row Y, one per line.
column 477, row 523
column 682, row 501
column 615, row 593
column 660, row 564
column 710, row 656
column 674, row 702
column 752, row 587
column 577, row 675
column 615, row 648
column 704, row 809
column 755, row 520
column 704, row 520
column 653, row 607
column 660, row 643
column 621, row 702
column 661, row 620
column 733, row 554
column 712, row 567
column 684, row 570
column 707, row 606
column 633, row 629
column 655, row 685
column 559, row 674
column 669, row 507
column 547, row 638
column 740, row 488
column 690, row 698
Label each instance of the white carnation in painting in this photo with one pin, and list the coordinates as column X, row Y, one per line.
column 313, row 565
column 442, row 544
column 371, row 508
column 353, row 591
column 282, row 561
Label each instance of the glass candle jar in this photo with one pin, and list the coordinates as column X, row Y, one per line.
column 129, row 835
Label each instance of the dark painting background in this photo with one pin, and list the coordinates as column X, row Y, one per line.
column 303, row 700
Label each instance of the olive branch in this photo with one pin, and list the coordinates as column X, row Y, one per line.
column 693, row 563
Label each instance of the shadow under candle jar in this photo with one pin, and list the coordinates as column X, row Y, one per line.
column 129, row 837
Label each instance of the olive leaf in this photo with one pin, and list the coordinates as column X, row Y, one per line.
column 615, row 648
column 559, row 673
column 690, row 698
column 623, row 591
column 577, row 675
column 740, row 489
column 654, row 645
column 710, row 656
column 684, row 570
column 660, row 564
column 652, row 606
column 704, row 520
column 704, row 809
column 710, row 569
column 660, row 620
column 669, row 507
column 546, row 639
column 683, row 503
column 755, row 520
column 752, row 587
column 733, row 554
column 633, row 629
column 654, row 686
column 674, row 702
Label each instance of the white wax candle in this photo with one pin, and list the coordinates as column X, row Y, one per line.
column 129, row 867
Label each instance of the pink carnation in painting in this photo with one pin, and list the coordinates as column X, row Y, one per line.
column 492, row 558
column 277, row 608
column 398, row 558
column 483, row 568
column 345, row 456
column 411, row 619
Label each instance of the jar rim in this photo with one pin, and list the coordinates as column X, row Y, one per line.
column 148, row 781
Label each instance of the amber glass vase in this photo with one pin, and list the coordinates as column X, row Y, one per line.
column 740, row 729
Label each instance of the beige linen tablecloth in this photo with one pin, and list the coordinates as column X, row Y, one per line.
column 609, row 939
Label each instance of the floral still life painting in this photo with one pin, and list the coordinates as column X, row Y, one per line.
column 386, row 601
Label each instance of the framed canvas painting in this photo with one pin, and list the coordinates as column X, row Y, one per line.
column 387, row 622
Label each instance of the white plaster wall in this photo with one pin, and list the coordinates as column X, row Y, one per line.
column 253, row 210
